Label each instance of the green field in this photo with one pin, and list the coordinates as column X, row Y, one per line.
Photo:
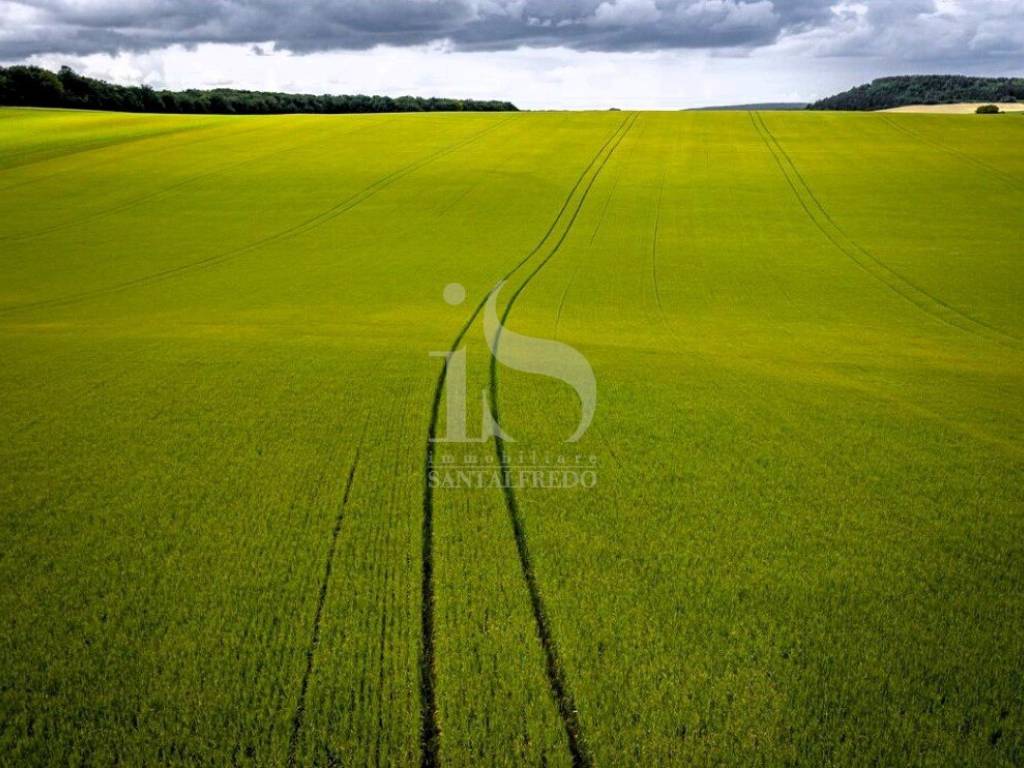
column 218, row 542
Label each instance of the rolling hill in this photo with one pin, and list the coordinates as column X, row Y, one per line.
column 224, row 346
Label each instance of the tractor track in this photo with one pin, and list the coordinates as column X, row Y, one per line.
column 314, row 641
column 1007, row 178
column 429, row 727
column 593, row 236
column 99, row 145
column 567, row 709
column 932, row 305
column 205, row 134
column 127, row 205
column 564, row 296
column 309, row 224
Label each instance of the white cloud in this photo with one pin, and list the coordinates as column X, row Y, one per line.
column 538, row 53
column 626, row 12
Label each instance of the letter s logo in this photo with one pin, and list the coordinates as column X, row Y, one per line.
column 542, row 356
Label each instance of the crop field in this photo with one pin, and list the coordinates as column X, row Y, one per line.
column 224, row 395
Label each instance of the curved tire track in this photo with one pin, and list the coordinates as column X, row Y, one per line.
column 314, row 641
column 135, row 202
column 567, row 709
column 1007, row 178
column 129, row 142
column 928, row 303
column 302, row 227
column 429, row 727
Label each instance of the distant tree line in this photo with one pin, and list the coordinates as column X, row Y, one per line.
column 889, row 92
column 22, row 86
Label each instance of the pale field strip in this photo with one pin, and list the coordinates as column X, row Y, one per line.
column 966, row 108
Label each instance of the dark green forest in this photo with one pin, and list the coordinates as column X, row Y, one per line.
column 23, row 86
column 889, row 92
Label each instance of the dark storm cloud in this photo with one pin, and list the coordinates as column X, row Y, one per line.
column 87, row 26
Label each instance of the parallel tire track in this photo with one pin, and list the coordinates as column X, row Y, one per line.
column 1007, row 178
column 314, row 641
column 429, row 728
column 101, row 144
column 302, row 227
column 927, row 302
column 554, row 668
column 127, row 205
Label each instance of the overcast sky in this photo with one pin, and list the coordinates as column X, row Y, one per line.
column 538, row 53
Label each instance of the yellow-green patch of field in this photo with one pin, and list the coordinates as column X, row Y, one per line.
column 220, row 545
